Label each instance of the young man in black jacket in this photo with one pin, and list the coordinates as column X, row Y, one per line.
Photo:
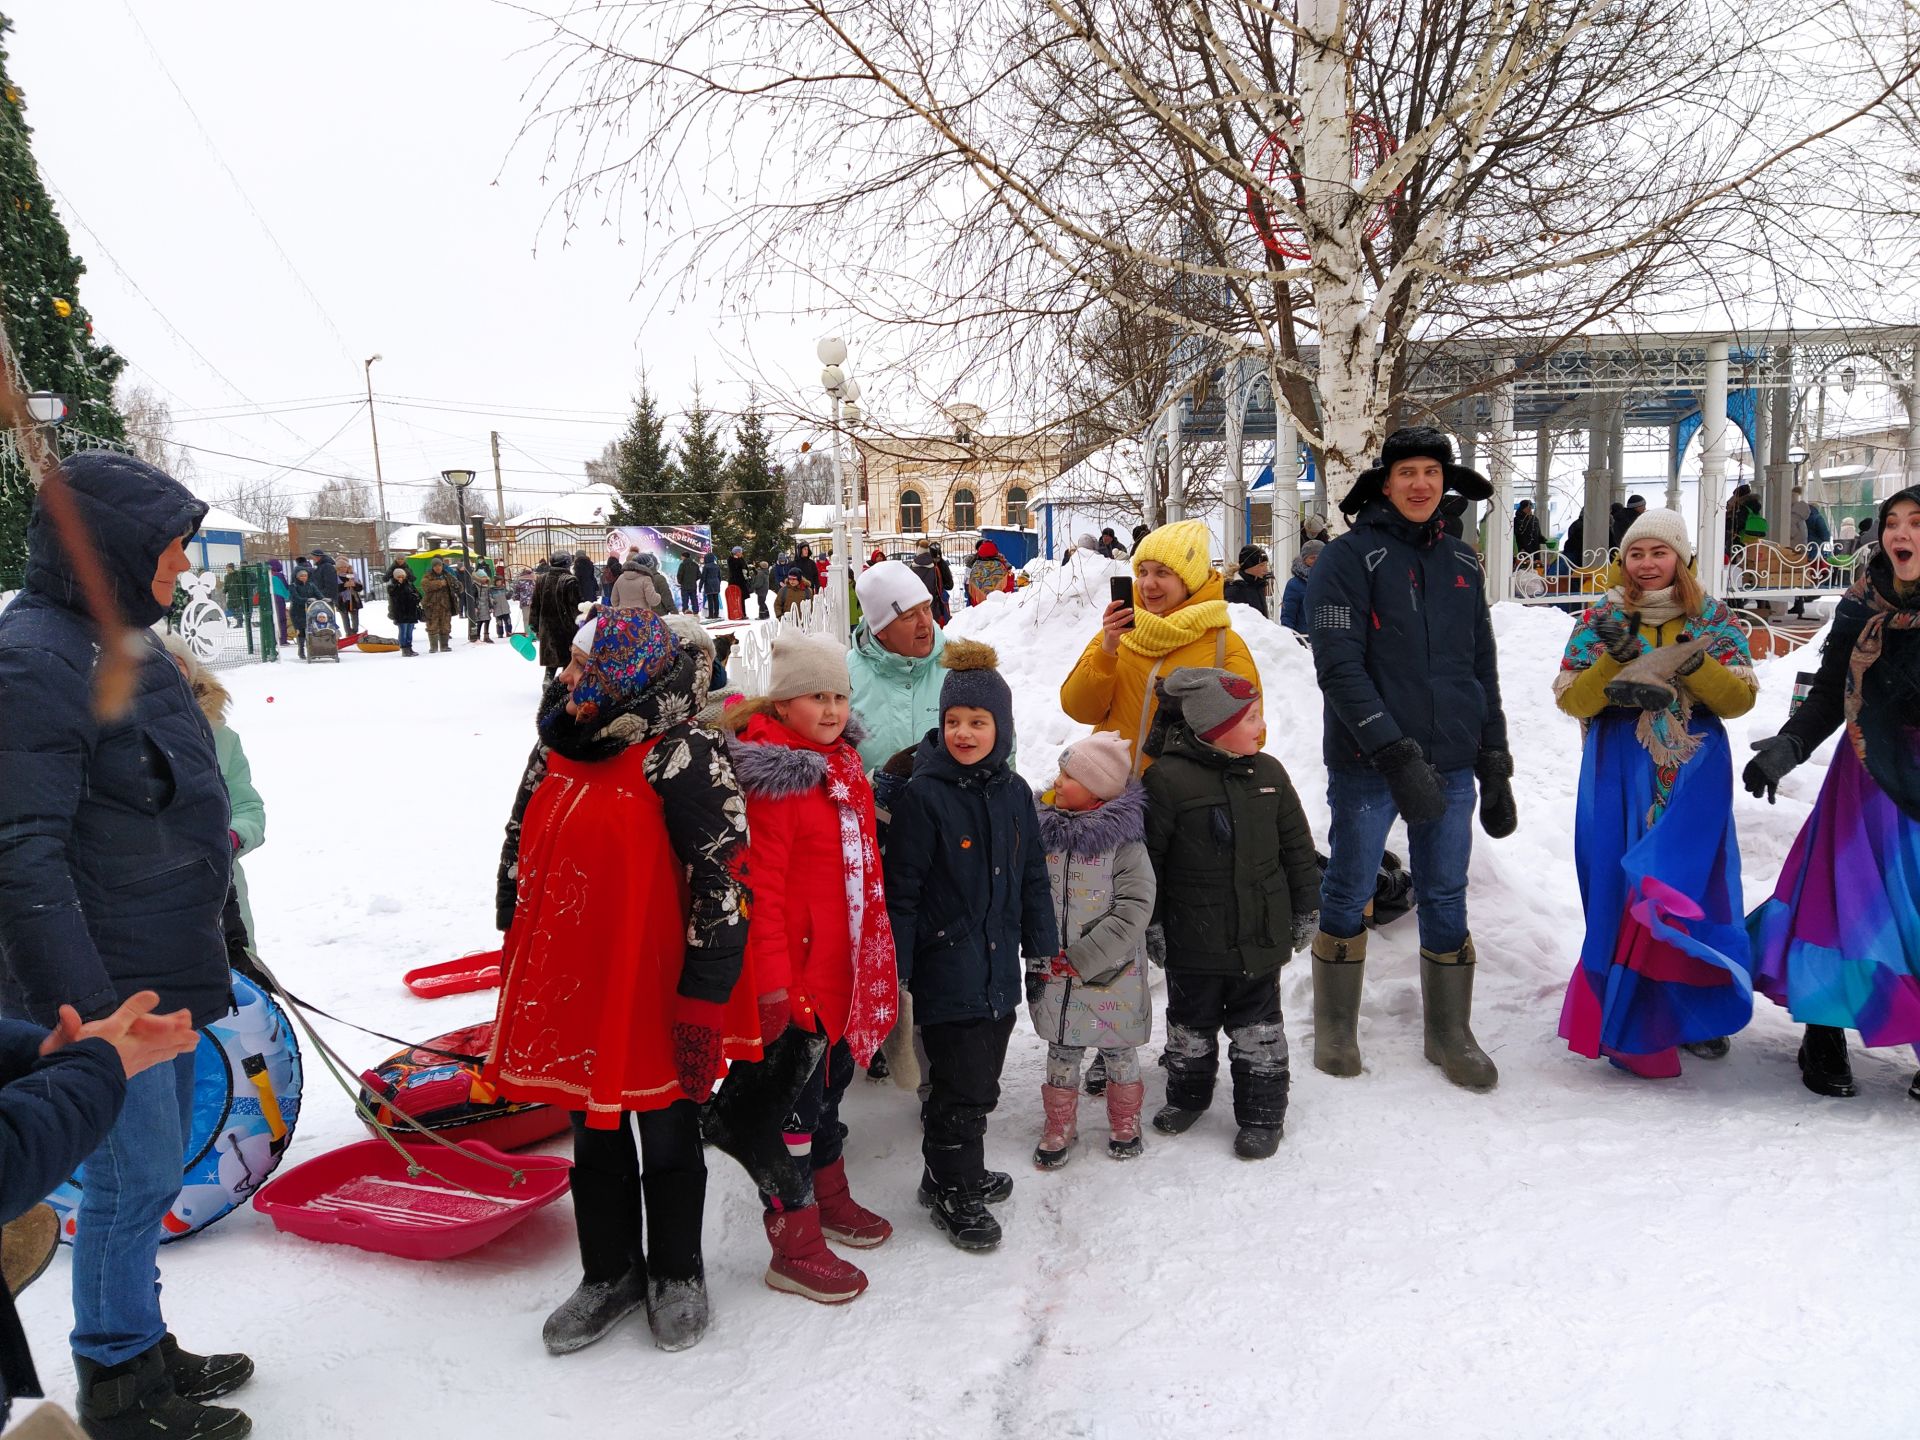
column 1403, row 648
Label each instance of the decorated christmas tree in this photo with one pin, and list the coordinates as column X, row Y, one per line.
column 52, row 337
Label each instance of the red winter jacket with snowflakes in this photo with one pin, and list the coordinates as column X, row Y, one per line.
column 819, row 928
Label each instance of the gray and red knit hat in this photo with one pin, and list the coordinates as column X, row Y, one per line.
column 1210, row 701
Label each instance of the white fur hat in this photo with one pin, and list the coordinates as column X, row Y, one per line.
column 1667, row 527
column 887, row 591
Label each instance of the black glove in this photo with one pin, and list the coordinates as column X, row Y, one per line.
column 1036, row 986
column 1306, row 923
column 1620, row 636
column 1499, row 816
column 1157, row 945
column 1418, row 793
column 1773, row 758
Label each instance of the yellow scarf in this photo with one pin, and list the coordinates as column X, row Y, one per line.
column 1199, row 614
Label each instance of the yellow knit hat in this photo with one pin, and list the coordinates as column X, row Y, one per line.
column 1184, row 547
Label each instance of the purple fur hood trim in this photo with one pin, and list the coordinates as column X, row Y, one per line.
column 1089, row 834
column 777, row 772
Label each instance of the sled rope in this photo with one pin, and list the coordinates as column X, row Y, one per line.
column 348, row 1080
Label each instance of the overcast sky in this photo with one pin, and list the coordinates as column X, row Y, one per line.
column 264, row 195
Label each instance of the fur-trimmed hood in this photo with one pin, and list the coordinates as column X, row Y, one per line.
column 771, row 761
column 1089, row 834
column 209, row 693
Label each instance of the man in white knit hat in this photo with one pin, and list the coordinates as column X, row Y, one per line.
column 895, row 661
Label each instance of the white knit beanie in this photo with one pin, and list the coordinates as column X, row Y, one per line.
column 887, row 591
column 810, row 665
column 1102, row 762
column 1667, row 527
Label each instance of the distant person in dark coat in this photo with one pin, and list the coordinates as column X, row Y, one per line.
column 1293, row 600
column 117, row 860
column 585, row 578
column 403, row 606
column 710, row 583
column 688, row 577
column 300, row 594
column 326, row 575
column 556, row 605
column 1252, row 583
column 1527, row 539
column 1109, row 544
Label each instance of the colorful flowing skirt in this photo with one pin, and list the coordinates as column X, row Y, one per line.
column 1839, row 942
column 1666, row 960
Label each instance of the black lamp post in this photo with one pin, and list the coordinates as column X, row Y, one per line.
column 460, row 480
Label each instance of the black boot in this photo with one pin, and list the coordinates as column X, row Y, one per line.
column 1823, row 1062
column 591, row 1312
column 996, row 1187
column 961, row 1213
column 1172, row 1120
column 134, row 1400
column 606, row 1220
column 1715, row 1049
column 677, row 1312
column 878, row 1069
column 1096, row 1081
column 203, row 1377
column 676, row 1272
column 1913, row 1090
column 1257, row 1142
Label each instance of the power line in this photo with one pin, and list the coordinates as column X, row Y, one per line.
column 240, row 189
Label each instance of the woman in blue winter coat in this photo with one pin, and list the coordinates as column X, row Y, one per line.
column 1293, row 600
column 967, row 892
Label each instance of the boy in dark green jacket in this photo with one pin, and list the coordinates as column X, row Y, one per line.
column 1238, row 895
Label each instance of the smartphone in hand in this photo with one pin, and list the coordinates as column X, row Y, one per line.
column 1121, row 589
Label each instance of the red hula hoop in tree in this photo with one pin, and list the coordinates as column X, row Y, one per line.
column 1373, row 143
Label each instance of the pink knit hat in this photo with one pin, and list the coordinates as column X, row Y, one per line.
column 1102, row 762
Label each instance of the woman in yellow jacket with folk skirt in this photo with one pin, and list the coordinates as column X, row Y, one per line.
column 1650, row 672
column 1179, row 618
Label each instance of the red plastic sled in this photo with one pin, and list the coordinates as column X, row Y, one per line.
column 478, row 971
column 362, row 1194
column 451, row 1097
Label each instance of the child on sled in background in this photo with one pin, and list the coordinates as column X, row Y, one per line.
column 1094, row 993
column 967, row 892
column 626, row 923
column 1239, row 895
column 820, row 959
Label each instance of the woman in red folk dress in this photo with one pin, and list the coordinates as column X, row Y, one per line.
column 622, row 897
column 819, row 959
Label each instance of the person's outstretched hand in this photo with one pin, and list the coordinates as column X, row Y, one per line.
column 142, row 1038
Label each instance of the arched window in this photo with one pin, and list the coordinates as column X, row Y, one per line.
column 1017, row 508
column 909, row 512
column 963, row 516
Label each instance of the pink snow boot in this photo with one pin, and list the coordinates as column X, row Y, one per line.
column 1061, row 1102
column 1123, row 1118
column 802, row 1263
column 844, row 1219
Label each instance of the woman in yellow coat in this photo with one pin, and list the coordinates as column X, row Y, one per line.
column 1179, row 618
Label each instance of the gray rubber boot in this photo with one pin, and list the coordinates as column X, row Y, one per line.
column 1446, row 993
column 1339, row 966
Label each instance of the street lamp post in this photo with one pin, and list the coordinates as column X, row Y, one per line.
column 379, row 480
column 845, row 395
column 460, row 480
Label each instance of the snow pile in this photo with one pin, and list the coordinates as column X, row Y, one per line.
column 1577, row 1254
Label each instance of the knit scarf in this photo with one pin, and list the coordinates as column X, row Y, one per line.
column 1198, row 615
column 1666, row 734
column 876, row 982
column 1868, row 647
column 1655, row 607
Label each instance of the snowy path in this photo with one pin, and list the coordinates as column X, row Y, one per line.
column 1577, row 1254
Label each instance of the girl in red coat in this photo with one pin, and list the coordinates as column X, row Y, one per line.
column 820, row 957
column 625, row 911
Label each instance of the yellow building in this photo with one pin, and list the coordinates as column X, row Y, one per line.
column 955, row 482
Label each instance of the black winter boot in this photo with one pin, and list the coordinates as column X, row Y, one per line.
column 677, row 1312
column 1824, row 1068
column 997, row 1186
column 676, row 1282
column 591, row 1312
column 203, row 1377
column 1096, row 1081
column 1172, row 1120
column 1257, row 1142
column 134, row 1400
column 1913, row 1090
column 961, row 1212
column 1715, row 1049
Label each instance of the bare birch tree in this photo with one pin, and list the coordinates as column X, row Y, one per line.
column 1335, row 187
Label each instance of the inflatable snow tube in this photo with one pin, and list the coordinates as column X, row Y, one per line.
column 432, row 1085
column 246, row 1101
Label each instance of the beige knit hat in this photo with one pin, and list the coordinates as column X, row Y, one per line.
column 1666, row 526
column 1102, row 762
column 808, row 665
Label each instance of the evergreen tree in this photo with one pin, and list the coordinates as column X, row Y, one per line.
column 643, row 468
column 39, row 296
column 703, row 468
column 757, row 490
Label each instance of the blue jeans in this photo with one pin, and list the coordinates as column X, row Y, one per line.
column 406, row 635
column 1363, row 812
column 126, row 1188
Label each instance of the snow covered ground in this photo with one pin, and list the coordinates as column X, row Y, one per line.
column 1578, row 1253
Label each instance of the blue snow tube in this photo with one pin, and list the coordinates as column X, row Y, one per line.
column 246, row 1101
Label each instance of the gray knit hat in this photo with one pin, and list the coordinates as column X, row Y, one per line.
column 974, row 679
column 808, row 665
column 1210, row 701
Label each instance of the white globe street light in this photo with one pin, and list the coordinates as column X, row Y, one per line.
column 832, row 351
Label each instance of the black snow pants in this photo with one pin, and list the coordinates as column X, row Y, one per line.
column 1199, row 1006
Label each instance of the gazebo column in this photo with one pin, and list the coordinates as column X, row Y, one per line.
column 1543, row 475
column 1233, row 530
column 1673, row 467
column 1286, row 494
column 1499, row 558
column 1913, row 422
column 1617, row 453
column 1779, row 472
column 1596, row 527
column 1710, row 526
